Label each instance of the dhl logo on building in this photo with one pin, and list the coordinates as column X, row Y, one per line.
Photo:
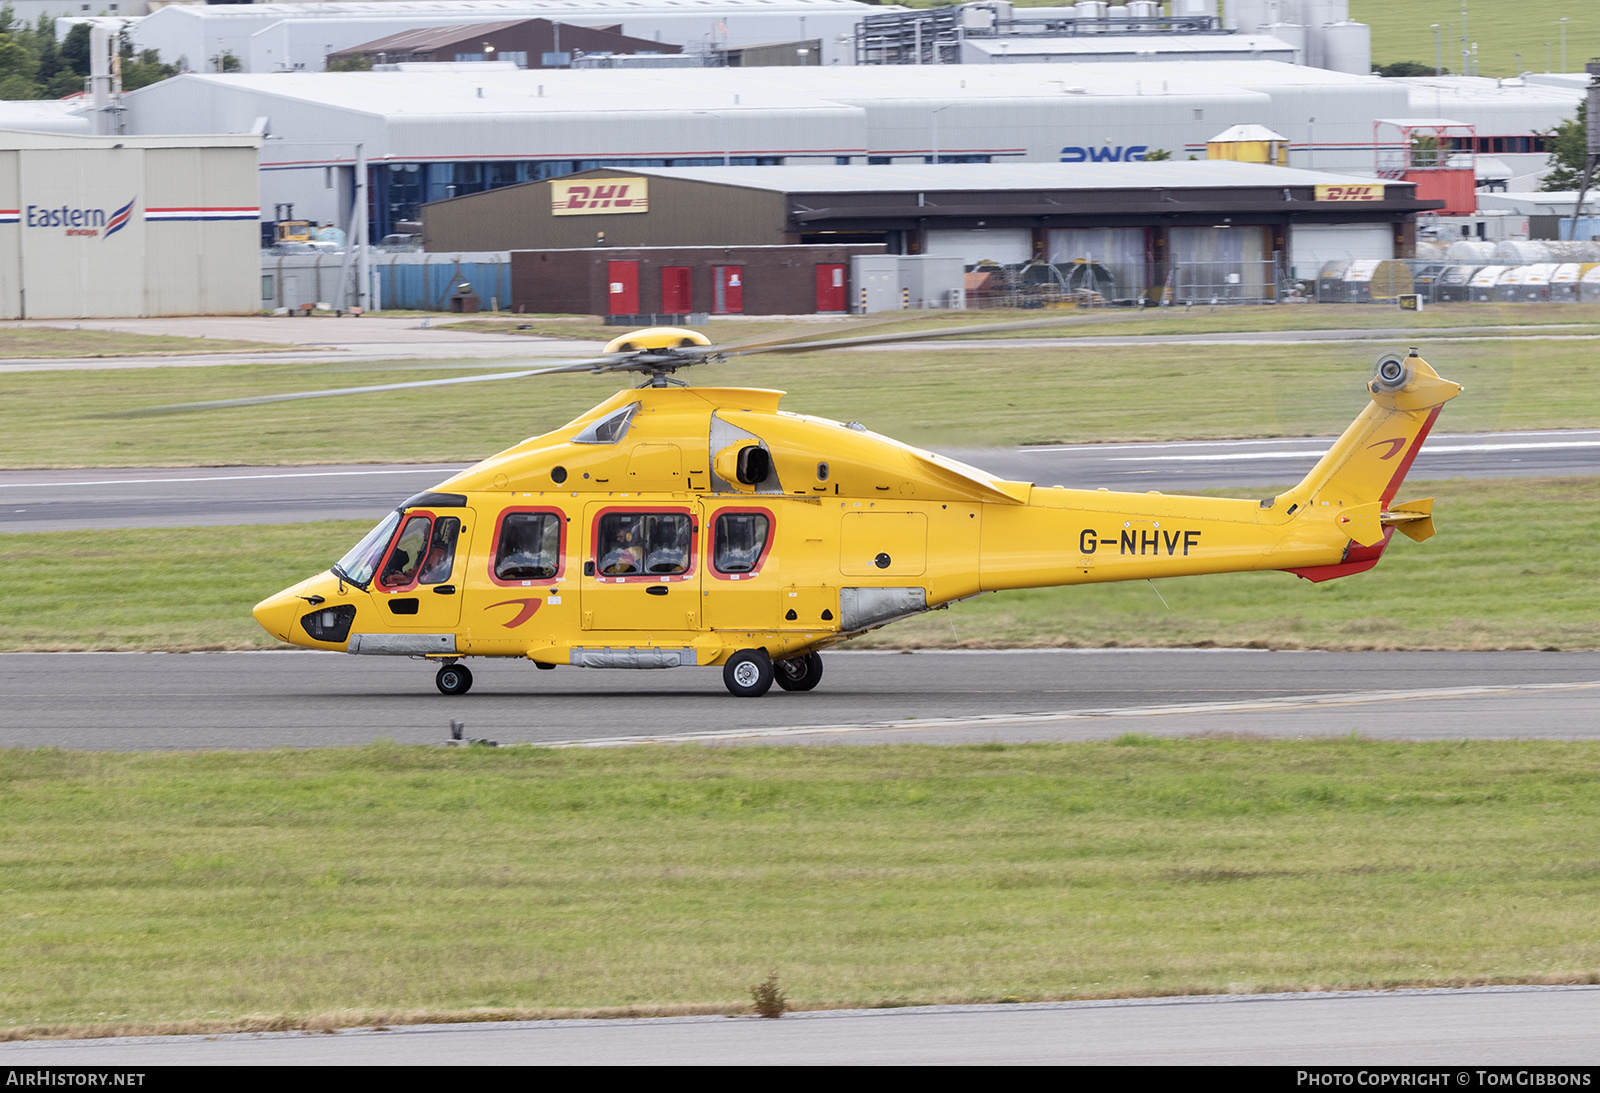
column 1368, row 192
column 597, row 196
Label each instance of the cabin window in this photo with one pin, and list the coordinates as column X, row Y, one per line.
column 361, row 562
column 609, row 429
column 643, row 544
column 441, row 556
column 529, row 547
column 739, row 541
column 406, row 557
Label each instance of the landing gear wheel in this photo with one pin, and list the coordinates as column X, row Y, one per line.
column 748, row 673
column 798, row 673
column 454, row 679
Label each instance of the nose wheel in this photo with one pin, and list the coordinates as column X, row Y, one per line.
column 454, row 679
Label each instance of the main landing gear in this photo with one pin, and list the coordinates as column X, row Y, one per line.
column 798, row 673
column 454, row 679
column 750, row 673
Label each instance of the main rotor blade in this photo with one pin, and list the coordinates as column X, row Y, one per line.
column 906, row 336
column 591, row 365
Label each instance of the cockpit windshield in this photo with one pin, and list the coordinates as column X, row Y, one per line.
column 358, row 566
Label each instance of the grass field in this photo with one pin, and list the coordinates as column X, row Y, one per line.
column 185, row 892
column 1401, row 32
column 1511, row 567
column 28, row 342
column 947, row 397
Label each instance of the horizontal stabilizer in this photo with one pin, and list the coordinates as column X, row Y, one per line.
column 1413, row 519
column 1363, row 523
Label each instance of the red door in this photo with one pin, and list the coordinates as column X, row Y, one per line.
column 676, row 297
column 729, row 295
column 831, row 294
column 623, row 288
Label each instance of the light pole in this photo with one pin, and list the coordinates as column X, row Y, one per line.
column 1563, row 43
column 1311, row 141
column 1518, row 73
column 934, row 118
column 1438, row 51
column 1547, row 56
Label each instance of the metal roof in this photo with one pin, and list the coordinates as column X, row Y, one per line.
column 425, row 38
column 946, row 177
column 1197, row 45
column 1245, row 132
column 505, row 8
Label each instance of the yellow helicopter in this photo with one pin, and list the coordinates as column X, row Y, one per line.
column 674, row 525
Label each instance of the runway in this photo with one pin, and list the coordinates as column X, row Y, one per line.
column 139, row 701
column 68, row 500
column 1492, row 1026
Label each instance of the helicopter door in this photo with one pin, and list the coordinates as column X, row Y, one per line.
column 639, row 571
column 418, row 586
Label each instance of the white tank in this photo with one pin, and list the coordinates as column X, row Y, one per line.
column 1316, row 16
column 1245, row 16
column 1194, row 7
column 1347, row 47
column 1562, row 250
column 1432, row 252
column 1294, row 34
column 1118, row 11
column 1471, row 250
column 1520, row 252
column 1091, row 12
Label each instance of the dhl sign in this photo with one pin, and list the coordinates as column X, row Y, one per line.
column 596, row 196
column 1367, row 191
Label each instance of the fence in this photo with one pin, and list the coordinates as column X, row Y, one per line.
column 412, row 281
column 1088, row 283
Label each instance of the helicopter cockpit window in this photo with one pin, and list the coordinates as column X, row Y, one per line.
column 609, row 429
column 529, row 547
column 441, row 556
column 638, row 544
column 406, row 557
column 361, row 562
column 739, row 541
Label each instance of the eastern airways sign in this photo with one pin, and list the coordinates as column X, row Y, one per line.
column 75, row 221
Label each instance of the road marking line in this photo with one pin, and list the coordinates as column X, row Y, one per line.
column 1353, row 698
column 1430, row 449
column 233, row 477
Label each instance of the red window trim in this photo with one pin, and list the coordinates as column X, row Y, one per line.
column 499, row 529
column 383, row 567
column 645, row 510
column 766, row 548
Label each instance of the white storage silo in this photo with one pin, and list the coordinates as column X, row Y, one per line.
column 1245, row 16
column 1144, row 9
column 1194, row 7
column 1091, row 12
column 1316, row 16
column 1520, row 252
column 1294, row 34
column 1347, row 47
column 1118, row 11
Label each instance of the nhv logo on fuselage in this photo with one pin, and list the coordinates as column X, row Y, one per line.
column 84, row 222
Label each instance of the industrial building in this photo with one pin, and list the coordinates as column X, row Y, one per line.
column 128, row 226
column 1180, row 230
column 299, row 37
column 524, row 43
column 438, row 131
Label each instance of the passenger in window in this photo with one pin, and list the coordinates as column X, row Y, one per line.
column 621, row 552
column 441, row 557
column 408, row 552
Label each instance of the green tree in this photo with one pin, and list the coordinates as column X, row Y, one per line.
column 1566, row 144
column 75, row 49
column 1154, row 155
column 358, row 62
column 144, row 69
column 226, row 62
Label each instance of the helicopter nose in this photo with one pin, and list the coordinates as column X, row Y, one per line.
column 276, row 614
